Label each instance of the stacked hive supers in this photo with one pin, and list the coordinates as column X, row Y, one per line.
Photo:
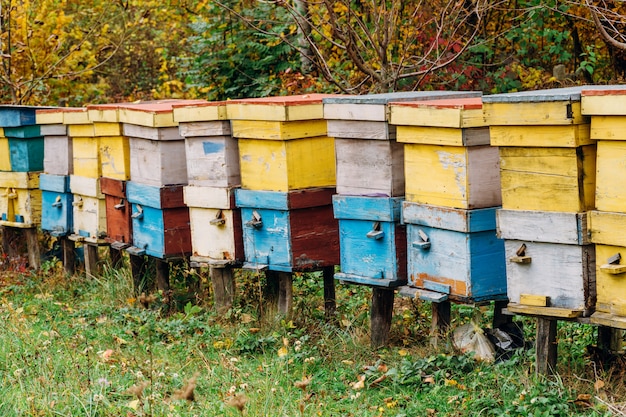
column 606, row 107
column 547, row 163
column 370, row 187
column 213, row 175
column 287, row 182
column 452, row 192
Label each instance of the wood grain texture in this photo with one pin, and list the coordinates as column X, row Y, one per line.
column 209, row 197
column 162, row 233
column 611, row 288
column 19, row 180
column 458, row 113
column 443, row 135
column 20, row 206
column 164, row 197
column 86, row 186
column 53, row 130
column 119, row 222
column 564, row 273
column 370, row 167
column 608, row 128
column 89, row 216
column 204, row 128
column 548, row 179
column 542, row 226
column 158, row 163
column 361, row 129
column 607, row 227
column 287, row 165
column 216, row 241
column 610, row 191
column 278, row 130
column 453, row 176
column 58, row 183
column 283, row 108
column 298, row 199
column 569, row 136
column 603, row 102
column 212, row 161
column 367, row 208
column 199, row 112
column 441, row 217
column 58, row 156
column 533, row 113
column 151, row 133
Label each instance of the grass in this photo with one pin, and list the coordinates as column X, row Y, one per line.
column 83, row 347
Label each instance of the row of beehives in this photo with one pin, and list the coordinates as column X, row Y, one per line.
column 419, row 182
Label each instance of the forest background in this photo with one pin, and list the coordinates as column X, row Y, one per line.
column 75, row 52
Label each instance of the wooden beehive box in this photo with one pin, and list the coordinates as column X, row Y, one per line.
column 25, row 148
column 114, row 147
column 448, row 160
column 56, row 201
column 211, row 151
column 160, row 221
column 216, row 230
column 89, row 210
column 57, row 153
column 547, row 159
column 157, row 150
column 372, row 240
column 369, row 160
column 20, row 199
column 454, row 253
column 118, row 212
column 283, row 143
column 550, row 262
column 5, row 153
column 288, row 231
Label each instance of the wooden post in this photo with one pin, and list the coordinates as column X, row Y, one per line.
column 116, row 257
column 440, row 322
column 546, row 348
column 138, row 266
column 223, row 287
column 32, row 243
column 610, row 339
column 499, row 318
column 381, row 312
column 69, row 258
column 91, row 259
column 285, row 293
column 163, row 278
column 330, row 305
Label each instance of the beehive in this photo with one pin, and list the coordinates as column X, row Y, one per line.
column 157, row 150
column 547, row 161
column 160, row 221
column 56, row 201
column 57, row 155
column 369, row 160
column 216, row 229
column 605, row 106
column 89, row 210
column 448, row 158
column 550, row 262
column 454, row 252
column 288, row 231
column 372, row 240
column 113, row 146
column 283, row 143
column 20, row 199
column 118, row 212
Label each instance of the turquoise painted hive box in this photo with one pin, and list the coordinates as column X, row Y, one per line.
column 56, row 201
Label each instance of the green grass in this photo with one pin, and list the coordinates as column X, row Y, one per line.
column 83, row 347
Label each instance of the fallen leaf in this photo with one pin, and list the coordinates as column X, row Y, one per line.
column 238, row 401
column 360, row 384
column 382, row 368
column 187, row 391
column 429, row 380
column 246, row 318
column 254, row 330
column 347, row 362
column 599, row 384
column 379, row 379
column 403, row 352
column 106, row 355
column 134, row 404
column 137, row 390
column 302, row 384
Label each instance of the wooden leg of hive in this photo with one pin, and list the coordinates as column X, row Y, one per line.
column 91, row 259
column 116, row 257
column 32, row 243
column 330, row 305
column 610, row 339
column 285, row 293
column 381, row 312
column 440, row 321
column 69, row 258
column 163, row 278
column 138, row 266
column 223, row 287
column 546, row 348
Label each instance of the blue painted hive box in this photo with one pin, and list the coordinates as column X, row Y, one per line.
column 16, row 116
column 160, row 221
column 454, row 253
column 288, row 231
column 372, row 240
column 56, row 201
column 26, row 148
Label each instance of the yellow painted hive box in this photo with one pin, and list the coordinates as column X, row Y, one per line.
column 5, row 159
column 20, row 199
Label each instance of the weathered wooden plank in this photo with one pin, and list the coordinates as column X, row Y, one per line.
column 152, row 133
column 204, row 128
column 548, row 179
column 23, row 132
column 216, row 235
column 57, row 212
column 152, row 113
column 287, row 165
column 608, row 128
column 155, row 196
column 26, row 154
column 610, row 320
column 361, row 129
column 603, row 100
column 212, row 161
column 13, row 116
column 607, row 227
column 209, row 197
column 367, row 208
column 453, row 176
column 89, row 217
column 542, row 226
column 374, row 168
column 283, row 108
column 278, row 130
column 19, row 180
column 105, row 113
column 611, row 287
column 20, row 207
column 453, row 113
column 299, row 199
column 381, row 313
column 53, row 130
column 114, row 154
column 443, row 135
column 49, row 116
column 546, row 349
column 161, row 233
column 86, row 186
column 158, row 162
column 610, row 189
column 223, row 286
column 200, row 112
column 75, row 116
column 5, row 154
column 58, row 156
column 86, row 157
column 441, row 217
column 81, row 130
column 564, row 273
column 569, row 136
